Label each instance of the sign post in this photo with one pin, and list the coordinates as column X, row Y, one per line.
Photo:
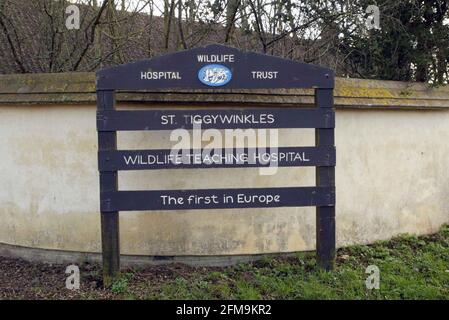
column 214, row 68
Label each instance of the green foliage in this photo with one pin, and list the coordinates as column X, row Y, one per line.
column 410, row 268
column 411, row 44
column 121, row 284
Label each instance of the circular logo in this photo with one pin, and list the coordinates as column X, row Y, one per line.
column 214, row 75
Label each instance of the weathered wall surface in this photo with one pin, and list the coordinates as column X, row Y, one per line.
column 391, row 174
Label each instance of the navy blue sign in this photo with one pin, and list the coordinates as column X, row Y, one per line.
column 214, row 68
column 233, row 118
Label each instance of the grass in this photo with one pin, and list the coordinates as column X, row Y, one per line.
column 410, row 268
column 121, row 285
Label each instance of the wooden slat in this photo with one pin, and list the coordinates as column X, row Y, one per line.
column 112, row 120
column 110, row 238
column 325, row 176
column 154, row 199
column 162, row 159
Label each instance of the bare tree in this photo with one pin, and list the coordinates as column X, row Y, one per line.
column 33, row 36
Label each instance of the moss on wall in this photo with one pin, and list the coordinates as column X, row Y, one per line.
column 73, row 88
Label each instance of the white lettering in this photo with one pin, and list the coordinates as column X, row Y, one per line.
column 264, row 75
column 215, row 58
column 160, row 75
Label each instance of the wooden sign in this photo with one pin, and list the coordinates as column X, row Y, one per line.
column 215, row 68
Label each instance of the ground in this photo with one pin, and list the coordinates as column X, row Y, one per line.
column 410, row 268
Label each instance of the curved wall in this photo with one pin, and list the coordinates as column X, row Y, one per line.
column 391, row 172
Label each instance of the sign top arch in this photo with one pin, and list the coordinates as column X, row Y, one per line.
column 214, row 67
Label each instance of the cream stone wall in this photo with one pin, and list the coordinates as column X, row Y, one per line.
column 391, row 178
